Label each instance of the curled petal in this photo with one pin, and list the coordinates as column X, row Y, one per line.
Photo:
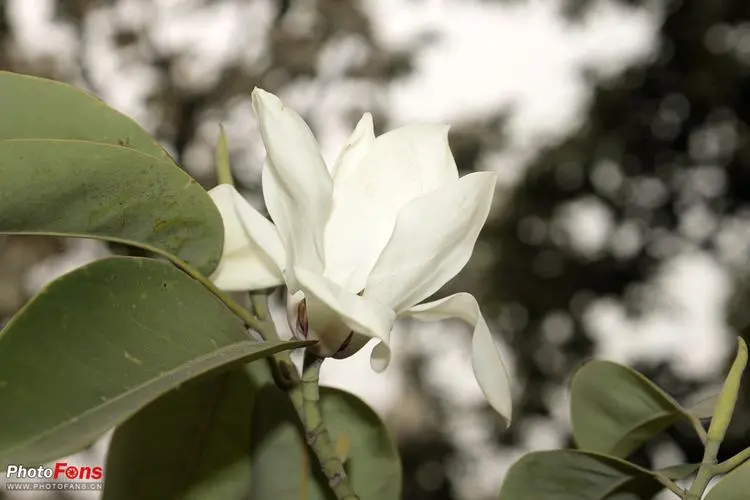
column 380, row 357
column 433, row 240
column 489, row 369
column 334, row 313
column 296, row 183
column 370, row 189
column 253, row 255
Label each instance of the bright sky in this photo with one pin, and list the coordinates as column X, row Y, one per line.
column 488, row 55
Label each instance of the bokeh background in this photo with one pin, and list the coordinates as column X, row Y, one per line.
column 621, row 228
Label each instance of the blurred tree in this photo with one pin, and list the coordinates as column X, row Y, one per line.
column 664, row 156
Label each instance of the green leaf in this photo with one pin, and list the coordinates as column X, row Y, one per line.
column 191, row 443
column 703, row 408
column 283, row 468
column 37, row 108
column 103, row 341
column 576, row 475
column 680, row 471
column 615, row 410
column 733, row 486
column 70, row 165
column 93, row 190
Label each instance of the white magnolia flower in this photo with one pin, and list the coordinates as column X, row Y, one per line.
column 364, row 241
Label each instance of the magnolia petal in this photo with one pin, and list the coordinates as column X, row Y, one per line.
column 279, row 203
column 406, row 162
column 253, row 256
column 296, row 184
column 334, row 313
column 433, row 240
column 357, row 146
column 380, row 357
column 399, row 166
column 489, row 369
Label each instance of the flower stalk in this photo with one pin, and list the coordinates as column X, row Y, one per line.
column 304, row 393
column 306, row 399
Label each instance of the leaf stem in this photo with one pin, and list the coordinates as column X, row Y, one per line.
column 306, row 400
column 699, row 429
column 709, row 469
column 706, row 471
column 263, row 328
column 730, row 464
column 259, row 304
column 671, row 485
column 284, row 373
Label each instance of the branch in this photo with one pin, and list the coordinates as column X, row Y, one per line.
column 306, row 400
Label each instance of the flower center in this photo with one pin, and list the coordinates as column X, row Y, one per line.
column 303, row 327
column 337, row 354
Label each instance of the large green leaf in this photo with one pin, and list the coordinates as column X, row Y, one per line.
column 576, row 475
column 733, row 486
column 70, row 165
column 615, row 410
column 103, row 341
column 37, row 108
column 282, row 467
column 191, row 443
column 100, row 191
